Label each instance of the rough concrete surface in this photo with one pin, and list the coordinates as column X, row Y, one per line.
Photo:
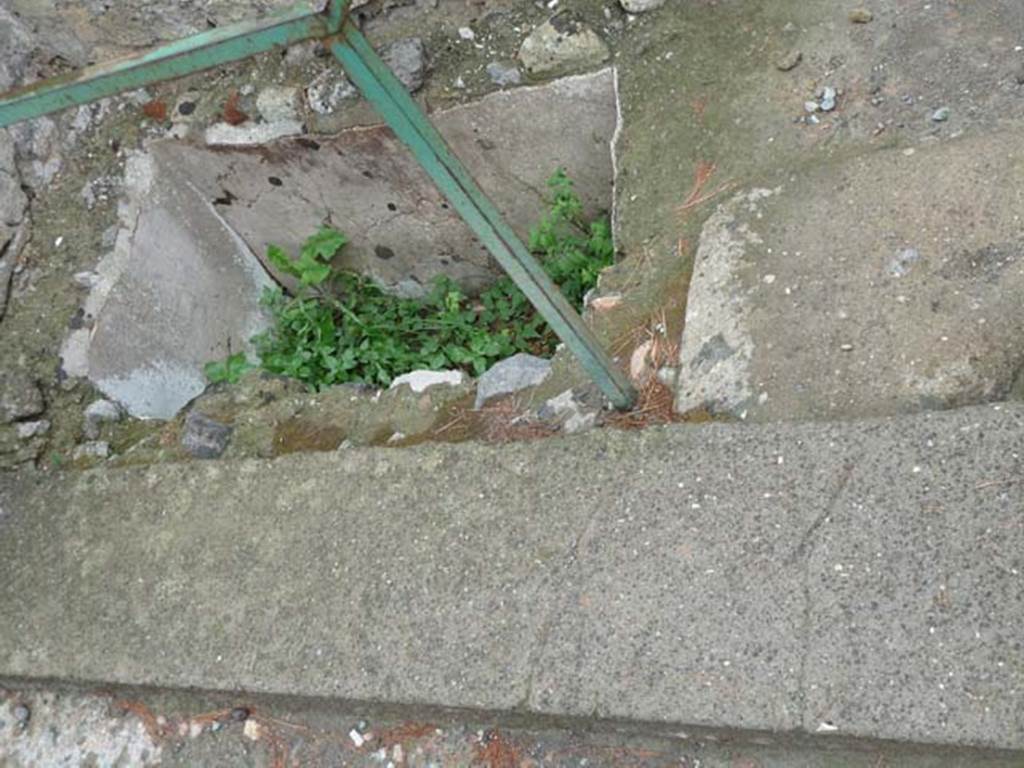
column 887, row 285
column 773, row 578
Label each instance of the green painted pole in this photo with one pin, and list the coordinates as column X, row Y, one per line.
column 183, row 57
column 382, row 89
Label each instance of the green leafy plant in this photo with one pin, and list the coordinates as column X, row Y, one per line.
column 341, row 327
column 230, row 369
column 313, row 266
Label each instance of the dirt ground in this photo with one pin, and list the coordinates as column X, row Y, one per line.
column 122, row 729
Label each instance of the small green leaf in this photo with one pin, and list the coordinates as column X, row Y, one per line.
column 324, row 245
column 277, row 257
column 230, row 369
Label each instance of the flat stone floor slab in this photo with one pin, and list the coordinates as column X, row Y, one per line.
column 860, row 579
column 885, row 284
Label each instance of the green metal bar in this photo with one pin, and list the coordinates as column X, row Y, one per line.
column 382, row 89
column 183, row 57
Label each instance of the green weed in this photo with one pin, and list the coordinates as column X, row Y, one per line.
column 230, row 369
column 341, row 327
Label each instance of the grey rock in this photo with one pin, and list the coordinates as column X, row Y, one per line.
column 511, row 375
column 86, row 279
column 278, row 104
column 203, row 437
column 941, row 115
column 20, row 396
column 828, row 99
column 22, row 714
column 39, row 145
column 580, row 422
column 100, row 190
column 789, row 60
column 29, row 429
column 95, row 449
column 640, row 6
column 301, row 53
column 329, row 90
column 13, row 200
column 562, row 45
column 668, row 375
column 408, row 60
column 100, row 412
column 6, row 273
column 17, row 43
column 556, row 407
column 103, row 410
column 504, row 74
column 566, row 412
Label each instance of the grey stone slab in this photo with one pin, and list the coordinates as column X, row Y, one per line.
column 365, row 182
column 879, row 284
column 688, row 603
column 916, row 590
column 260, row 578
column 179, row 289
column 684, row 575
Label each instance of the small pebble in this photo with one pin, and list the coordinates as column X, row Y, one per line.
column 941, row 115
column 789, row 60
column 504, row 74
column 828, row 99
column 30, row 429
column 22, row 714
column 846, row 347
column 238, row 714
column 861, row 16
column 85, row 279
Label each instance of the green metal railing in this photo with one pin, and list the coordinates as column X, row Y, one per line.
column 329, row 21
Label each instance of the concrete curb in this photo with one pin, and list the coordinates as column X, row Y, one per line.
column 859, row 579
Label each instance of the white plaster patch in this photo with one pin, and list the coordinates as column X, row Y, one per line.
column 418, row 381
